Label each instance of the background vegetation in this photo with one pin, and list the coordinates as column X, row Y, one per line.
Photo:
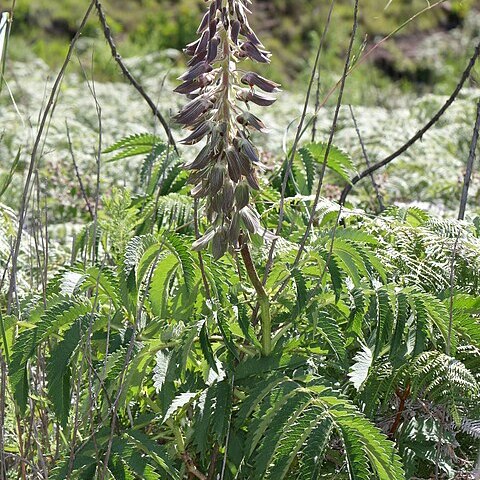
column 289, row 28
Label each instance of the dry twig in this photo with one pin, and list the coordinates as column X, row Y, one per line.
column 418, row 135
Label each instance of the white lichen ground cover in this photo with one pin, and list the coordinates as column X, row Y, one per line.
column 430, row 173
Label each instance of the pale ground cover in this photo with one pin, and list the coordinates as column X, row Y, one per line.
column 429, row 174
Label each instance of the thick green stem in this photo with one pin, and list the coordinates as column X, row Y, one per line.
column 266, row 325
column 263, row 300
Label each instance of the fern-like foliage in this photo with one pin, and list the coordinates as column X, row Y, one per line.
column 146, row 359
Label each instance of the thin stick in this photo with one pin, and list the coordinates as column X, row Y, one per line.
column 367, row 161
column 33, row 157
column 330, row 139
column 304, row 239
column 77, row 172
column 117, row 57
column 367, row 54
column 5, row 24
column 262, row 298
column 319, row 76
column 3, row 394
column 470, row 162
column 419, row 134
column 290, row 158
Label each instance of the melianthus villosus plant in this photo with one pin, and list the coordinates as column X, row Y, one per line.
column 147, row 364
column 358, row 350
column 226, row 168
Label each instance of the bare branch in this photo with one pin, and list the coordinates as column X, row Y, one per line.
column 126, row 72
column 290, row 158
column 33, row 158
column 367, row 161
column 419, row 134
column 470, row 162
column 77, row 172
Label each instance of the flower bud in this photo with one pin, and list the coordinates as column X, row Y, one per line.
column 249, row 220
column 233, row 160
column 234, row 230
column 242, row 195
column 227, row 196
column 216, row 178
column 219, row 243
column 202, row 242
column 253, row 79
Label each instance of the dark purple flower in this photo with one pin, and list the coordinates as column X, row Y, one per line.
column 188, row 87
column 198, row 133
column 228, row 195
column 249, row 219
column 234, row 230
column 253, row 180
column 213, row 49
column 257, row 98
column 248, row 49
column 233, row 161
column 254, row 80
column 253, row 38
column 196, row 71
column 203, row 43
column 204, row 23
column 216, row 178
column 242, row 195
column 202, row 242
column 192, row 110
column 191, row 47
column 220, row 243
column 225, row 169
column 235, row 31
column 248, row 119
column 213, row 28
column 202, row 159
column 247, row 149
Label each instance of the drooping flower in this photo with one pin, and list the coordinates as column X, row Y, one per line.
column 225, row 169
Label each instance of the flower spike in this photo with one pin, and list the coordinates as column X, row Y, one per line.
column 225, row 170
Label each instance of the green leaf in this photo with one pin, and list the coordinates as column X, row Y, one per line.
column 156, row 453
column 162, row 361
column 301, row 288
column 360, row 369
column 273, row 425
column 139, row 144
column 58, row 368
column 179, row 403
column 338, row 160
column 159, row 284
column 306, row 177
column 7, row 180
column 331, row 332
column 54, row 320
column 206, row 347
column 222, row 410
column 181, row 249
column 292, row 440
column 364, row 441
column 383, row 320
column 313, row 451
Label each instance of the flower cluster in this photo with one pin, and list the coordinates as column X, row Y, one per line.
column 225, row 170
